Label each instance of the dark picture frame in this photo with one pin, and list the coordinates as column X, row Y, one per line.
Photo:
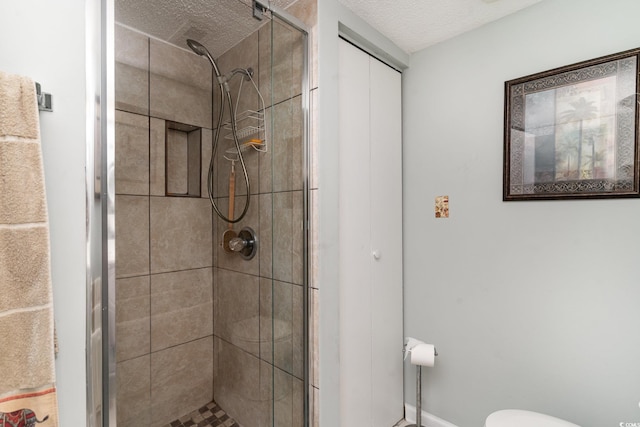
column 572, row 132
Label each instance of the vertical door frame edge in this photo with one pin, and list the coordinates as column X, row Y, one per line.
column 306, row 134
column 100, row 214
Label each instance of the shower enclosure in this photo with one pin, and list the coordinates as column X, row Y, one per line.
column 197, row 330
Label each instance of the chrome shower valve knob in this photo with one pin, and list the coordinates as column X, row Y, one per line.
column 245, row 244
column 237, row 244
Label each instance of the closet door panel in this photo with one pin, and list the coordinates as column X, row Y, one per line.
column 355, row 228
column 385, row 113
column 371, row 335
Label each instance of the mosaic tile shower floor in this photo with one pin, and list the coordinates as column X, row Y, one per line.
column 210, row 415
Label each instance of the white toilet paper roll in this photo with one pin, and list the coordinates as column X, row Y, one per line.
column 423, row 355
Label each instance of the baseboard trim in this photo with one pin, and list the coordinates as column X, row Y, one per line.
column 428, row 420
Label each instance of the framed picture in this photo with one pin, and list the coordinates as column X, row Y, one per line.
column 572, row 132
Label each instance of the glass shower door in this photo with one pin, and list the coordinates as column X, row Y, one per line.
column 197, row 326
column 287, row 288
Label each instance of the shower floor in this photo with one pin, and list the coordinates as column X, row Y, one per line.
column 209, row 415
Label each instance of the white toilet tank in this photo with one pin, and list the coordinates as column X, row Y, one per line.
column 519, row 418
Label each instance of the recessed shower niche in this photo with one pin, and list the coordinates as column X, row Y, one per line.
column 182, row 159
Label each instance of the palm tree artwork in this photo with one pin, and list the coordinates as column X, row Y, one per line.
column 581, row 111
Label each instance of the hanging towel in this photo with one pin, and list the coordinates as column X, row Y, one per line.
column 27, row 370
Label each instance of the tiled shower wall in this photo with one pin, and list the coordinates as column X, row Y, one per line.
column 164, row 250
column 179, row 295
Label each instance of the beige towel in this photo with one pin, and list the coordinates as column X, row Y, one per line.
column 27, row 369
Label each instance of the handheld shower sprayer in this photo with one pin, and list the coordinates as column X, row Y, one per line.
column 199, row 49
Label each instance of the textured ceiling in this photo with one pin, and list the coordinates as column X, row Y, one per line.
column 217, row 24
column 220, row 24
column 416, row 24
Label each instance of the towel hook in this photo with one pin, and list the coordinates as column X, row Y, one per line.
column 44, row 99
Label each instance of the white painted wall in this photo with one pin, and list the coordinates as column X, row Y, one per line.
column 46, row 41
column 531, row 305
column 328, row 214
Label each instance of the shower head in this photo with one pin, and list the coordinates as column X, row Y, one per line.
column 199, row 49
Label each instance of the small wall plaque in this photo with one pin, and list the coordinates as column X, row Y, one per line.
column 442, row 207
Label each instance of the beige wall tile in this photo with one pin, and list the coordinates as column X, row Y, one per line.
column 132, row 154
column 266, row 235
column 297, row 331
column 297, row 61
column 264, row 73
column 313, row 244
column 237, row 385
column 131, row 48
column 288, row 400
column 132, row 318
column 282, row 236
column 134, row 392
column 266, row 316
column 157, row 157
column 297, row 145
column 281, row 70
column 314, row 298
column 283, row 327
column 313, row 152
column 181, row 307
column 236, row 309
column 207, row 141
column 297, row 238
column 266, row 394
column 286, row 148
column 180, row 85
column 297, row 406
column 265, row 160
column 132, row 71
column 244, row 55
column 131, row 89
column 307, row 12
column 180, row 233
column 216, row 239
column 314, row 56
column 181, row 380
column 278, row 323
column 315, row 408
column 282, row 147
column 132, row 236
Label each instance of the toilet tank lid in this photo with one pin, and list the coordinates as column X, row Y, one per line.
column 520, row 418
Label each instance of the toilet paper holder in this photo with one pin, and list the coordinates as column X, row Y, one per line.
column 418, row 382
column 405, row 351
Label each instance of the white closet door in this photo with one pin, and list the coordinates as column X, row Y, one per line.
column 355, row 226
column 386, row 241
column 371, row 335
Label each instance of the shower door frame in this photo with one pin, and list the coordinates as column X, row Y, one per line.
column 306, row 168
column 100, row 205
column 100, row 213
